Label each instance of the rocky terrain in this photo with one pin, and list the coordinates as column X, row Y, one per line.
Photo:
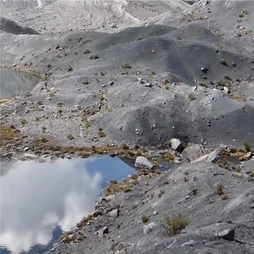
column 180, row 71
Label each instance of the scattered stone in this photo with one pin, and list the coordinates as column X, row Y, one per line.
column 155, row 212
column 102, row 231
column 203, row 69
column 252, row 206
column 226, row 89
column 227, row 234
column 148, row 84
column 114, row 213
column 26, row 149
column 149, row 228
column 193, row 152
column 142, row 162
column 140, row 80
column 189, row 243
column 176, row 145
column 113, row 25
column 212, row 157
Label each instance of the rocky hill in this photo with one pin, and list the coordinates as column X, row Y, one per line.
column 180, row 71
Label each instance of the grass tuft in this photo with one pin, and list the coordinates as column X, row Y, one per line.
column 145, row 219
column 175, row 224
column 220, row 189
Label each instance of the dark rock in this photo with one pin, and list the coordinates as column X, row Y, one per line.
column 176, row 145
column 227, row 234
column 203, row 69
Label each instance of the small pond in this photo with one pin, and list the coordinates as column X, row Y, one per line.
column 38, row 201
column 14, row 83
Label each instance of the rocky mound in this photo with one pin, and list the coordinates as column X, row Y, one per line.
column 195, row 207
column 9, row 26
column 102, row 15
column 184, row 82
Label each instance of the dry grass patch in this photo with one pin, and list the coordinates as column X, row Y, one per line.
column 145, row 219
column 175, row 224
column 115, row 186
column 9, row 134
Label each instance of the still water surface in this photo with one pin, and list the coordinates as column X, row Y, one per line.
column 13, row 83
column 40, row 200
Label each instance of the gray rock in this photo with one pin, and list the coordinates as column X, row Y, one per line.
column 149, row 228
column 227, row 234
column 142, row 162
column 102, row 231
column 252, row 206
column 193, row 152
column 189, row 243
column 176, row 145
column 114, row 213
column 212, row 157
column 226, row 89
column 140, row 80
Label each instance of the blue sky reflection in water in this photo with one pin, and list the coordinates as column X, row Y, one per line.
column 35, row 198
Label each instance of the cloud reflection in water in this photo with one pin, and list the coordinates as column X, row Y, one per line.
column 35, row 197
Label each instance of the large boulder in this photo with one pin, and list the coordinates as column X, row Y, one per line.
column 212, row 157
column 193, row 152
column 176, row 145
column 142, row 162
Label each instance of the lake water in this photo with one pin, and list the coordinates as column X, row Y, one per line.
column 38, row 201
column 13, row 83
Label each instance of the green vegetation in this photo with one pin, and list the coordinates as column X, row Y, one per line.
column 223, row 62
column 87, row 51
column 126, row 66
column 203, row 84
column 246, row 146
column 95, row 57
column 220, row 189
